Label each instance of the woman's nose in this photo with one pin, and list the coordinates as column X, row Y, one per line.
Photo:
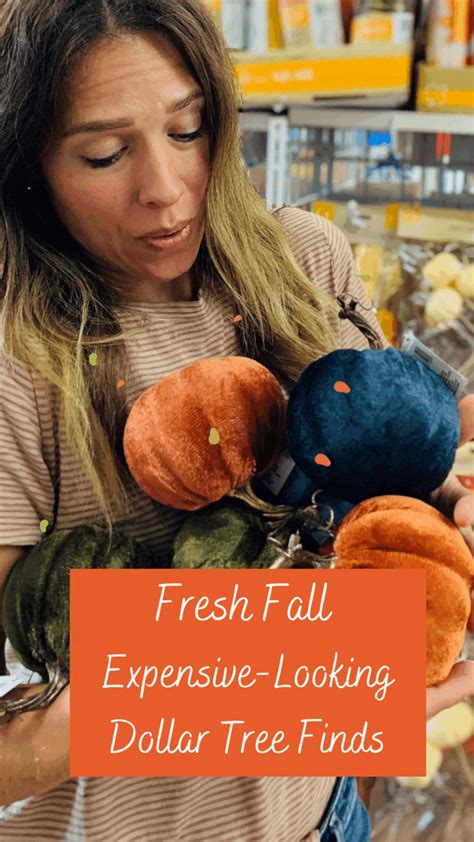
column 159, row 181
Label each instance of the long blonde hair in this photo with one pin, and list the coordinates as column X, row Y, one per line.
column 56, row 308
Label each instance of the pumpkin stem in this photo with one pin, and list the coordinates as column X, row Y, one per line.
column 278, row 518
column 248, row 496
column 57, row 681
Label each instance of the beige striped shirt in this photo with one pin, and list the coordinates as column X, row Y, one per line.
column 176, row 334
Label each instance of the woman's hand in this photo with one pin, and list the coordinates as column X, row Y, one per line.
column 458, row 685
column 457, row 503
column 454, row 501
column 34, row 748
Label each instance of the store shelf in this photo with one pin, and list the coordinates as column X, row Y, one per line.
column 390, row 121
column 254, row 121
column 446, row 89
column 369, row 70
column 376, row 157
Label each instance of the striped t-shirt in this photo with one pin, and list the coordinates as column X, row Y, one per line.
column 176, row 334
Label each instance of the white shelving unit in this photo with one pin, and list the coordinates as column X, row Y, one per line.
column 316, row 153
column 390, row 121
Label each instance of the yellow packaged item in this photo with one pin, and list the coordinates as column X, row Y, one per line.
column 326, row 23
column 442, row 270
column 390, row 277
column 368, row 260
column 448, row 729
column 392, row 21
column 443, row 306
column 231, row 16
column 451, row 727
column 434, row 758
column 448, row 33
column 263, row 26
column 295, row 19
column 464, row 282
column 388, row 324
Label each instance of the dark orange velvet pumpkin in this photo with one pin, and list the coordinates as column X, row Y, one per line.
column 204, row 431
column 401, row 532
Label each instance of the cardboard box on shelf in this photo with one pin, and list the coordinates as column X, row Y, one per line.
column 445, row 89
column 311, row 23
column 392, row 27
column 437, row 225
column 448, row 33
column 263, row 26
column 362, row 70
column 231, row 16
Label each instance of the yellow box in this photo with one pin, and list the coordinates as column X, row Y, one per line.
column 445, row 89
column 326, row 209
column 351, row 69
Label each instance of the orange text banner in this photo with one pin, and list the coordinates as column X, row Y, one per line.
column 247, row 672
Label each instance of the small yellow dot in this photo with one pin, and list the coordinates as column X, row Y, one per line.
column 44, row 525
column 214, row 437
column 93, row 358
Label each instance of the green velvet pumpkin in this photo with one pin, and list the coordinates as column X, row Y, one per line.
column 224, row 536
column 36, row 600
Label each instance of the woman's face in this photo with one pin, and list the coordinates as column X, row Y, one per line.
column 129, row 165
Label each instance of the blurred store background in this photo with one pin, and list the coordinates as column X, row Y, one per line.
column 363, row 111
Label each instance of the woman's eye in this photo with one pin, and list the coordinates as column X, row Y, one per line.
column 190, row 136
column 101, row 163
column 98, row 163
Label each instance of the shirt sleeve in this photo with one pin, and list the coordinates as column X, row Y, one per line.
column 347, row 283
column 26, row 485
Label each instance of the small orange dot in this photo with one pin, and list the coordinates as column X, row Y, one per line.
column 322, row 459
column 340, row 386
column 120, row 384
column 237, row 318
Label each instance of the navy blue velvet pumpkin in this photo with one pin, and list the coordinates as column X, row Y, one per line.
column 362, row 424
column 298, row 491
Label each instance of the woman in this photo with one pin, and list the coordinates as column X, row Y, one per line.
column 131, row 231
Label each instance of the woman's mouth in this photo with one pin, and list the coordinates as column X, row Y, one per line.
column 167, row 242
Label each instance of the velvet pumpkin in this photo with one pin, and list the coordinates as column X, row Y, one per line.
column 223, row 535
column 399, row 533
column 204, row 431
column 35, row 610
column 227, row 535
column 362, row 424
column 298, row 491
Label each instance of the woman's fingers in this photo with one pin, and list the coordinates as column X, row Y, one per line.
column 458, row 685
column 466, row 412
column 470, row 622
column 464, row 511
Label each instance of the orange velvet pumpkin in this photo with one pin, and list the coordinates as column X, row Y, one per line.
column 401, row 532
column 204, row 431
